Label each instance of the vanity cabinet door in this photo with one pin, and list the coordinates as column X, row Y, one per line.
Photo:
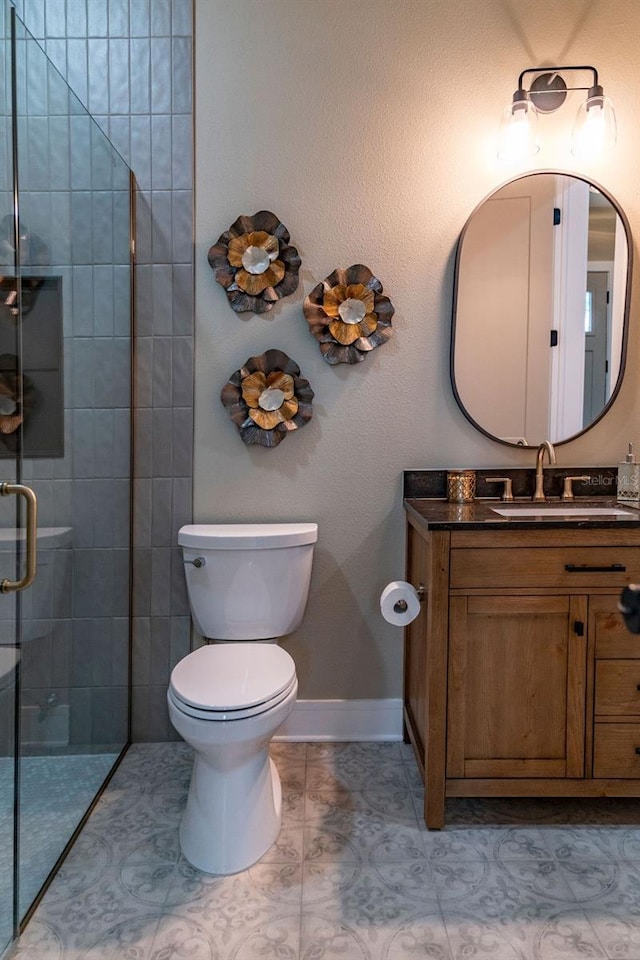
column 517, row 680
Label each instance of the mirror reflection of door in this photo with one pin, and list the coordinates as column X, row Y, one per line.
column 595, row 346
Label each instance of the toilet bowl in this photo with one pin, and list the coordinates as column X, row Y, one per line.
column 246, row 583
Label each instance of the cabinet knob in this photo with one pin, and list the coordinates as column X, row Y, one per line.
column 638, row 751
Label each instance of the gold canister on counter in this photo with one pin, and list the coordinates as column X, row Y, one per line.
column 461, row 486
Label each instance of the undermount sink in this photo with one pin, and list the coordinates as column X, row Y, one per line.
column 555, row 510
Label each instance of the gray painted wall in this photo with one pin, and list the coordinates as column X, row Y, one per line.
column 370, row 128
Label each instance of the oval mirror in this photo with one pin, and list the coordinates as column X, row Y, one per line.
column 541, row 301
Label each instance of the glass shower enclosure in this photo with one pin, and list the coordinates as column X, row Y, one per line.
column 65, row 466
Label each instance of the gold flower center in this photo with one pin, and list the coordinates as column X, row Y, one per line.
column 352, row 310
column 255, row 260
column 271, row 398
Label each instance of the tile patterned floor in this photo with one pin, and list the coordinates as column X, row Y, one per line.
column 353, row 876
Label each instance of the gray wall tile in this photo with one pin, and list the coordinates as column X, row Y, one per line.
column 181, row 48
column 118, row 18
column 160, row 647
column 162, row 299
column 144, row 371
column 143, row 446
column 179, row 600
column 76, row 19
column 162, row 440
column 141, row 582
column 182, row 24
column 182, row 226
column 183, row 300
column 130, row 62
column 120, row 651
column 97, row 18
column 142, row 512
column 141, row 651
column 119, row 75
column 160, row 581
column 150, row 717
column 103, row 297
column 181, row 504
column 182, row 376
column 77, row 68
column 162, row 371
column 180, row 639
column 161, row 18
column 161, row 532
column 182, row 430
column 140, row 18
column 161, row 237
column 140, row 60
column 161, row 155
column 144, row 227
column 182, row 152
column 161, row 80
column 55, row 20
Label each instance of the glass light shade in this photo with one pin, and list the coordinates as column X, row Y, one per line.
column 595, row 127
column 519, row 131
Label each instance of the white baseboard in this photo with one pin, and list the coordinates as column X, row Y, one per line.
column 343, row 720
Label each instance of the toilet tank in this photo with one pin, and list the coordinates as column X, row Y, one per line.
column 254, row 582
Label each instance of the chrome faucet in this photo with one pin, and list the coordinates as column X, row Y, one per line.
column 548, row 446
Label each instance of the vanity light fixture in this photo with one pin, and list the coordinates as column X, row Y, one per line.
column 595, row 125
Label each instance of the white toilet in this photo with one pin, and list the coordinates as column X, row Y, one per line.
column 246, row 583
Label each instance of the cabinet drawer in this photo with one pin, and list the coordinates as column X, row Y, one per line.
column 612, row 636
column 566, row 567
column 615, row 749
column 618, row 687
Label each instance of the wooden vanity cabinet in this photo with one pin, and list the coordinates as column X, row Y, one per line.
column 520, row 676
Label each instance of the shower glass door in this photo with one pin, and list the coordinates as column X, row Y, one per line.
column 9, row 644
column 65, row 434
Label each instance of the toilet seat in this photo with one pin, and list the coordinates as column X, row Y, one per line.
column 213, row 715
column 232, row 682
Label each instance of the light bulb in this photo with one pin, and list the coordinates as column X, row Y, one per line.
column 595, row 126
column 518, row 130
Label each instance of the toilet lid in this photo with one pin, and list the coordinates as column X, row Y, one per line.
column 232, row 676
column 246, row 536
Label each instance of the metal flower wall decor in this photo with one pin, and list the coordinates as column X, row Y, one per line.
column 267, row 398
column 17, row 400
column 255, row 263
column 348, row 314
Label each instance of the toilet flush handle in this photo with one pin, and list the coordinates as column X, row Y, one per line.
column 198, row 562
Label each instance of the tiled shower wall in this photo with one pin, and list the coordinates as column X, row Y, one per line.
column 130, row 63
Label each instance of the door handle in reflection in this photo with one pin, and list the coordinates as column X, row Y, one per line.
column 6, row 489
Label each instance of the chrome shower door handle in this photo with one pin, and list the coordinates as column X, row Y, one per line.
column 6, row 489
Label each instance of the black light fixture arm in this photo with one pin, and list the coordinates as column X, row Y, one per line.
column 551, row 71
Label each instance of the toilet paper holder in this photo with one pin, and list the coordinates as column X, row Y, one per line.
column 400, row 606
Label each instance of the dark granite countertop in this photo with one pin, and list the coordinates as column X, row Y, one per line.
column 424, row 494
column 439, row 514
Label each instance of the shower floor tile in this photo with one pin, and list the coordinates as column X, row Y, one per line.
column 354, row 875
column 55, row 792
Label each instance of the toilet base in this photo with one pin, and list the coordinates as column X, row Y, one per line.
column 231, row 821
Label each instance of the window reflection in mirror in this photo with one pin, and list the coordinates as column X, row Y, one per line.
column 540, row 309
